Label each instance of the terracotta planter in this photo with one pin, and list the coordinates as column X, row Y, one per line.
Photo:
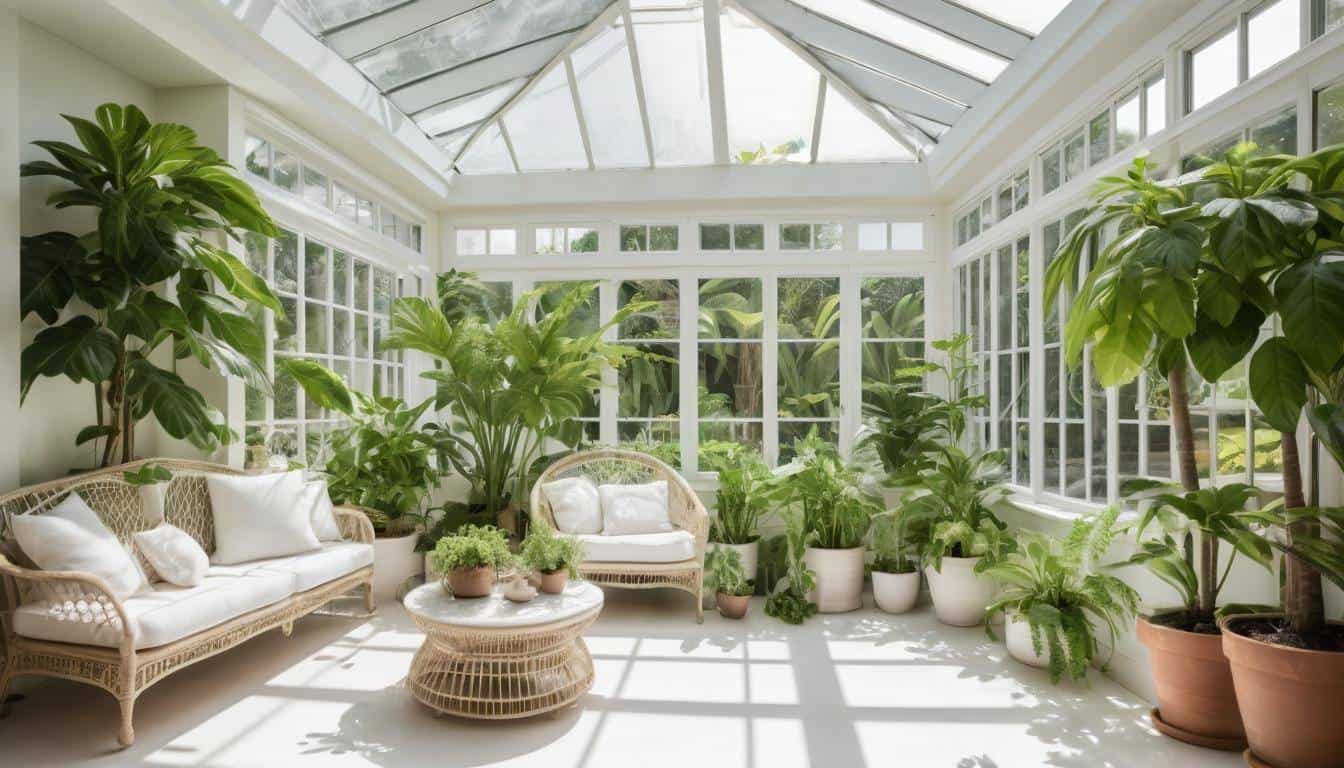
column 748, row 553
column 1289, row 700
column 732, row 606
column 394, row 562
column 554, row 583
column 1195, row 699
column 895, row 592
column 960, row 595
column 839, row 578
column 471, row 582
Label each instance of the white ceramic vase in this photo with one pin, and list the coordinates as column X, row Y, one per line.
column 960, row 596
column 1017, row 636
column 896, row 592
column 748, row 553
column 839, row 578
column 394, row 561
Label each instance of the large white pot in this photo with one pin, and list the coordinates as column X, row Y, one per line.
column 394, row 561
column 748, row 554
column 896, row 592
column 1017, row 636
column 839, row 578
column 960, row 596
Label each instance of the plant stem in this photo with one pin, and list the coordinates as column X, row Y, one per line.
column 1185, row 451
column 1304, row 603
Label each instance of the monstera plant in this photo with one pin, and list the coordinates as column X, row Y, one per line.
column 154, row 275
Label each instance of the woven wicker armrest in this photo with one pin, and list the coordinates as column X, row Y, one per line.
column 694, row 519
column 77, row 590
column 355, row 524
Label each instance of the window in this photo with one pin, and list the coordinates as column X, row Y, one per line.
column 480, row 242
column 586, row 320
column 1051, row 170
column 1268, row 33
column 649, row 388
column 892, row 321
column 895, row 236
column 1213, row 69
column 1326, row 15
column 1271, row 34
column 729, row 365
column 732, row 237
column 1329, row 116
column 1128, row 121
column 562, row 241
column 1276, row 135
column 337, row 308
column 643, row 237
column 1099, row 138
column 1154, row 104
column 1021, row 190
column 808, row 360
column 1073, row 156
column 810, row 237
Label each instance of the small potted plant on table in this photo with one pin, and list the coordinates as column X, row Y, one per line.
column 732, row 590
column 556, row 558
column 471, row 559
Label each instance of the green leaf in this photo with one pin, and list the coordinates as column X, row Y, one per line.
column 320, row 384
column 1171, row 304
column 179, row 409
column 1214, row 349
column 1311, row 304
column 81, row 349
column 1327, row 422
column 1173, row 248
column 94, row 432
column 1119, row 355
column 46, row 284
column 1279, row 384
column 236, row 277
column 1220, row 296
column 149, row 474
column 1237, row 240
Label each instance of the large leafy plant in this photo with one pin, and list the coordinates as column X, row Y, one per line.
column 742, row 497
column 1052, row 585
column 509, row 389
column 955, row 499
column 152, row 275
column 835, row 498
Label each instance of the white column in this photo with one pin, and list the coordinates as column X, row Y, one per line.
column 9, row 247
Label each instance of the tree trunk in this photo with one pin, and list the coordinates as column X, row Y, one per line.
column 1189, row 474
column 1304, row 602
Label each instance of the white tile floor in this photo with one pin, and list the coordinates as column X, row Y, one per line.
column 860, row 689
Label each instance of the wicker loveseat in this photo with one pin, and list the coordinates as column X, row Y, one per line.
column 121, row 653
column 609, row 465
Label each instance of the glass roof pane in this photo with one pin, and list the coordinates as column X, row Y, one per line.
column 471, row 108
column 319, row 15
column 610, row 105
column 544, row 129
column 912, row 36
column 770, row 95
column 1028, row 16
column 482, row 31
column 849, row 135
column 453, row 142
column 671, row 48
column 488, row 155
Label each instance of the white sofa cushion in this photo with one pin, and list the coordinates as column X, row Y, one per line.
column 175, row 555
column 631, row 509
column 668, row 547
column 321, row 512
column 332, row 561
column 575, row 505
column 71, row 537
column 160, row 615
column 259, row 516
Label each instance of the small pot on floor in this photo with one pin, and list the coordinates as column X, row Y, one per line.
column 553, row 583
column 1289, row 698
column 839, row 578
column 960, row 595
column 1196, row 702
column 732, row 606
column 896, row 592
column 471, row 582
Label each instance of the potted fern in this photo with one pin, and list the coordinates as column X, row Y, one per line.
column 1054, row 600
column 732, row 589
column 470, row 560
column 895, row 562
column 554, row 557
column 740, row 501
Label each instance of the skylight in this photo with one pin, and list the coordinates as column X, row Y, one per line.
column 1030, row 16
column 770, row 95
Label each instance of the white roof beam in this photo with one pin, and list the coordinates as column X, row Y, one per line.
column 888, row 90
column 523, row 61
column 639, row 77
column 822, row 32
column 817, row 116
column 964, row 24
column 718, row 113
column 578, row 111
column 360, row 37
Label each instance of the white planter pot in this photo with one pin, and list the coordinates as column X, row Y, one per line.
column 896, row 592
column 394, row 561
column 839, row 578
column 748, row 554
column 960, row 596
column 1017, row 636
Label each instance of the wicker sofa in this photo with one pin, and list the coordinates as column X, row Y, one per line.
column 631, row 571
column 125, row 646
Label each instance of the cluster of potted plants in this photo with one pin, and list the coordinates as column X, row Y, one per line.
column 472, row 559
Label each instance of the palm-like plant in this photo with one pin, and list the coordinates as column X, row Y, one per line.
column 164, row 203
column 955, row 498
column 1052, row 586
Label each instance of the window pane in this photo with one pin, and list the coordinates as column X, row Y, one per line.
column 649, row 388
column 791, row 431
column 1271, row 35
column 287, row 262
column 316, row 188
column 610, row 108
column 582, row 240
column 715, row 237
column 1278, row 135
column 1050, row 170
column 770, row 95
column 1330, row 116
column 550, row 240
column 347, row 207
column 285, row 171
column 315, row 270
column 873, row 236
column 716, row 438
column 255, row 247
column 544, row 129
column 453, row 121
column 848, row 134
column 1099, row 137
column 286, row 325
column 634, row 238
column 1073, row 157
column 286, row 396
column 1005, row 201
column 891, row 361
column 664, row 238
column 748, row 237
column 503, row 242
column 677, row 94
column 659, row 322
column 730, row 308
column 795, row 237
column 342, row 329
column 382, row 291
column 660, row 438
column 488, row 155
column 809, row 307
column 907, row 236
column 830, row 237
column 1333, row 15
column 1127, row 121
column 361, row 285
column 730, row 379
column 809, row 379
column 1155, row 102
column 892, row 307
column 1021, row 191
column 585, row 319
column 315, row 329
column 1213, row 69
column 257, row 156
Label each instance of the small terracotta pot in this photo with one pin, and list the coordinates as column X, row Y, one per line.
column 1195, row 699
column 732, row 606
column 1289, row 699
column 554, row 583
column 471, row 582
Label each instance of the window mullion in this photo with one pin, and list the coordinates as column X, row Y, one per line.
column 609, row 394
column 688, row 372
column 1036, row 358
column 770, row 369
column 851, row 362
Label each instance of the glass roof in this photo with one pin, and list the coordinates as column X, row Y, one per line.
column 504, row 86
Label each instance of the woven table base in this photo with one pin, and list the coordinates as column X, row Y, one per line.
column 500, row 687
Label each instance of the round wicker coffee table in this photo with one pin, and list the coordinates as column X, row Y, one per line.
column 492, row 659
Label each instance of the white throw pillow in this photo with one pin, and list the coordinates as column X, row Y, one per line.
column 70, row 537
column 259, row 516
column 176, row 557
column 628, row 509
column 574, row 505
column 321, row 512
column 153, row 501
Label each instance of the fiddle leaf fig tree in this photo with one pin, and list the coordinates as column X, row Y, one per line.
column 152, row 276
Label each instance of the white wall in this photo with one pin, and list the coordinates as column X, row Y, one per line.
column 9, row 244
